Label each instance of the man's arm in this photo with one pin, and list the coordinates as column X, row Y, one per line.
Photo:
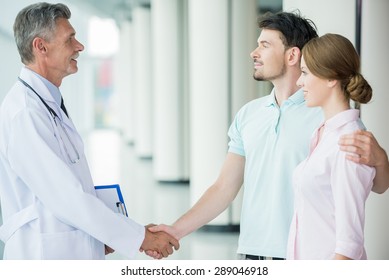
column 213, row 202
column 364, row 148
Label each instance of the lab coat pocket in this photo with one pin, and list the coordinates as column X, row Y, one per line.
column 69, row 245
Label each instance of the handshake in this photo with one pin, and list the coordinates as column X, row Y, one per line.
column 159, row 241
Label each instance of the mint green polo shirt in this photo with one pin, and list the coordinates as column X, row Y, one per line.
column 273, row 141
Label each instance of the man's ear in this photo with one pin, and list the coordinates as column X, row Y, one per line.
column 293, row 56
column 39, row 46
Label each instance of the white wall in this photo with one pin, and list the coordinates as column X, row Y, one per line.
column 375, row 60
column 10, row 62
column 330, row 16
column 9, row 56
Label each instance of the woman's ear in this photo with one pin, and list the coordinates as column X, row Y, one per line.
column 332, row 83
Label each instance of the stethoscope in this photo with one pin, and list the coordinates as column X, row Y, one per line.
column 56, row 121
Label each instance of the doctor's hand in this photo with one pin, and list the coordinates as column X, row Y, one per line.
column 161, row 228
column 160, row 243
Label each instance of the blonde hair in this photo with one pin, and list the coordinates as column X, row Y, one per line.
column 334, row 57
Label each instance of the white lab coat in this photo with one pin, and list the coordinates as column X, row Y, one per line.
column 49, row 206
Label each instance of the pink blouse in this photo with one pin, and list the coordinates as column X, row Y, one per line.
column 330, row 195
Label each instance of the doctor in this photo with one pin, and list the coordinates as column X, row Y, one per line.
column 49, row 206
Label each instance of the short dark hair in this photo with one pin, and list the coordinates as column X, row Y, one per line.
column 296, row 30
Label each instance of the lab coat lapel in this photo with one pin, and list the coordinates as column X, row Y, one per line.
column 43, row 91
column 31, row 79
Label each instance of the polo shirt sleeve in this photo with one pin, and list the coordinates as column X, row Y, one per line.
column 351, row 184
column 234, row 133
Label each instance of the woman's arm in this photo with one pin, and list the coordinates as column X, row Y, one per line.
column 341, row 257
column 351, row 185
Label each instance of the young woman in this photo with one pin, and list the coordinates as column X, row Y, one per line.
column 330, row 191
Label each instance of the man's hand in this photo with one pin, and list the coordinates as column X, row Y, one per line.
column 159, row 244
column 363, row 148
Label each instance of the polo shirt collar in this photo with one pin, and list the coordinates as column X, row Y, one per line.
column 296, row 98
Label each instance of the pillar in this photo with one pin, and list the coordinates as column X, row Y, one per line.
column 124, row 84
column 216, row 86
column 244, row 35
column 143, row 100
column 375, row 59
column 170, row 160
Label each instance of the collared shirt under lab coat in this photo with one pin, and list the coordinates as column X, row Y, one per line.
column 49, row 206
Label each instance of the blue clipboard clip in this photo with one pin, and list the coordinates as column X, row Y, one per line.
column 112, row 196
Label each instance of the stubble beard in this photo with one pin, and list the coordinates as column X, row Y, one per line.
column 261, row 77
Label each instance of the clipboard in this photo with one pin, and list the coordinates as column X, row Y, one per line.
column 112, row 197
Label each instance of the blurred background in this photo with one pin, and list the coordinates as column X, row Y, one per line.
column 159, row 83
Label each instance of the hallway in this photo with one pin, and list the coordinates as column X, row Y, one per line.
column 174, row 83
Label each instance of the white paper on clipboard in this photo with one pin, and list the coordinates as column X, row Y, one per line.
column 112, row 197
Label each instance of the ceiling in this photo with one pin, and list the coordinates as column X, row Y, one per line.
column 117, row 9
column 121, row 9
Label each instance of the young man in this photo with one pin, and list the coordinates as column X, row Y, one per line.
column 49, row 205
column 268, row 138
